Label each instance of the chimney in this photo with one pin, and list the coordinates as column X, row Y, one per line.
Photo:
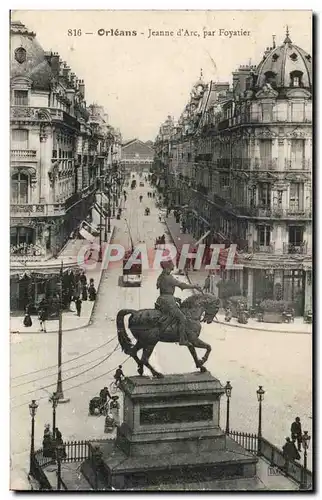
column 81, row 87
column 72, row 79
column 66, row 70
column 55, row 63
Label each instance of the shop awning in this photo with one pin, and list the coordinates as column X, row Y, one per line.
column 96, row 217
column 86, row 235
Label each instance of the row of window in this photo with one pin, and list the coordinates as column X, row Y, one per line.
column 20, row 188
column 295, row 235
column 21, row 98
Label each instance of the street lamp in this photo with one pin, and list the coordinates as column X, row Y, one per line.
column 305, row 443
column 32, row 409
column 54, row 400
column 260, row 396
column 228, row 389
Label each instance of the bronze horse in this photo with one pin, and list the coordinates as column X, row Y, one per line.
column 146, row 326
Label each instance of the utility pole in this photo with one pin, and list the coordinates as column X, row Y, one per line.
column 59, row 390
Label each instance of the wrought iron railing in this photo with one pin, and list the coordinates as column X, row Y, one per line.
column 274, row 456
column 294, row 248
column 292, row 469
column 246, row 440
column 265, row 163
column 257, row 247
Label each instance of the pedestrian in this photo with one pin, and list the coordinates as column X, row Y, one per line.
column 207, row 284
column 42, row 316
column 78, row 304
column 290, row 453
column 296, row 432
column 92, row 290
column 27, row 319
column 47, row 443
column 59, row 441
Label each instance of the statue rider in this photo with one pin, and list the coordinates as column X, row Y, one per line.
column 166, row 301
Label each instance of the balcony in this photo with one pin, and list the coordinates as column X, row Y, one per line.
column 28, row 113
column 295, row 248
column 266, row 163
column 37, row 210
column 241, row 163
column 257, row 247
column 298, row 164
column 23, row 155
column 275, row 116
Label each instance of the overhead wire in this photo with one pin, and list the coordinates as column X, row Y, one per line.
column 64, row 362
column 54, row 374
column 68, row 378
column 77, row 385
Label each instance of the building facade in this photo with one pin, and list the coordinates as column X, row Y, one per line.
column 240, row 159
column 137, row 156
column 59, row 148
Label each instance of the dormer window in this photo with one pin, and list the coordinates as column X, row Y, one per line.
column 270, row 77
column 293, row 57
column 296, row 79
column 275, row 57
column 308, row 57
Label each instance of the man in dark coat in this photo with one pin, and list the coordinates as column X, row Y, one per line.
column 296, row 432
column 290, row 452
column 78, row 304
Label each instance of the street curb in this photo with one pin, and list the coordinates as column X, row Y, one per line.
column 100, row 276
column 85, row 325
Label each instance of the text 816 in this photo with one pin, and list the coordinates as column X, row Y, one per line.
column 74, row 32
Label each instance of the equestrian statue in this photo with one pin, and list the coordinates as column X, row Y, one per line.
column 171, row 321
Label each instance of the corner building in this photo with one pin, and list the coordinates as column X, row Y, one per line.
column 240, row 157
column 58, row 149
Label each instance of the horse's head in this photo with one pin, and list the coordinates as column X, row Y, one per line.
column 210, row 307
column 201, row 306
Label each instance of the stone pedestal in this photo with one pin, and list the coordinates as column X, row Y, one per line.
column 170, row 434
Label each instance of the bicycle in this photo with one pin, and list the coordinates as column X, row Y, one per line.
column 114, row 387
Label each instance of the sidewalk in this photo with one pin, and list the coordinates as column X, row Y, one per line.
column 198, row 278
column 70, row 319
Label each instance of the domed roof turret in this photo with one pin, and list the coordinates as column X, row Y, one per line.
column 285, row 66
column 28, row 59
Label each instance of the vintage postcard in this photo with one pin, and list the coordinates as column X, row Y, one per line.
column 161, row 250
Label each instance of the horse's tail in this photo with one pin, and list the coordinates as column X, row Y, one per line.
column 124, row 339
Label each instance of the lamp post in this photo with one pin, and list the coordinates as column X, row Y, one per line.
column 228, row 389
column 100, row 231
column 32, row 409
column 260, row 397
column 305, row 443
column 108, row 187
column 54, row 400
column 59, row 452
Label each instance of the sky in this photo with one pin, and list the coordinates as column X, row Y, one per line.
column 142, row 79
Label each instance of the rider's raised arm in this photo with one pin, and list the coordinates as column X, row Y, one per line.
column 181, row 285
